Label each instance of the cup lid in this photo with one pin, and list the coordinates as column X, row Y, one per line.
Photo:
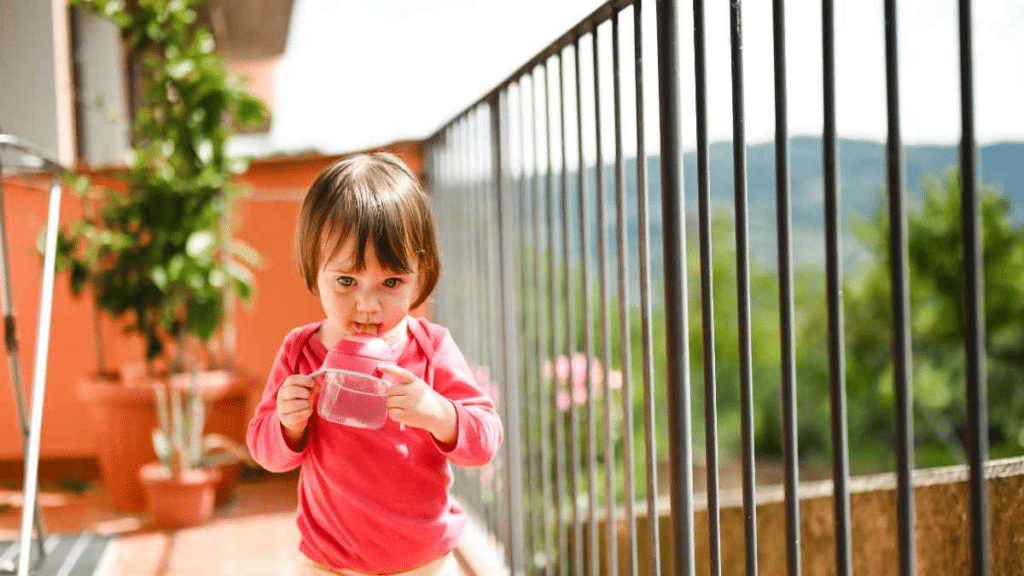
column 365, row 346
column 359, row 353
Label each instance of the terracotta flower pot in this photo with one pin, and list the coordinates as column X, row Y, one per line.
column 229, row 474
column 124, row 417
column 179, row 502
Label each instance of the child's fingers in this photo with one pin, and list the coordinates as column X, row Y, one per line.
column 394, row 391
column 397, row 414
column 397, row 402
column 299, row 380
column 295, row 393
column 292, row 406
column 404, row 376
column 298, row 415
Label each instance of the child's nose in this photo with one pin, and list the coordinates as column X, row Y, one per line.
column 367, row 303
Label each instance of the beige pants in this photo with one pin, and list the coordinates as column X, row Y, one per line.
column 443, row 566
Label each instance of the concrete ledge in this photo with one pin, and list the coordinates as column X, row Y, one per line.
column 942, row 529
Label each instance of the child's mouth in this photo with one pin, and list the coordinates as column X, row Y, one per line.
column 359, row 328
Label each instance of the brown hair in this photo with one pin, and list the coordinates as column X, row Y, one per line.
column 377, row 198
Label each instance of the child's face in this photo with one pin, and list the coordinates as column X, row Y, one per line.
column 371, row 301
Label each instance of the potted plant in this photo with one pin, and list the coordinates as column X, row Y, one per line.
column 154, row 248
column 180, row 488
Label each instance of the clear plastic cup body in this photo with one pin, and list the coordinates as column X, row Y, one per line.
column 352, row 398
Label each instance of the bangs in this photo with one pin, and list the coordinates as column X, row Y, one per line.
column 376, row 224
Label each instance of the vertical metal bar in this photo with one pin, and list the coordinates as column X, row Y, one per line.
column 784, row 216
column 559, row 480
column 834, row 281
column 611, row 534
column 446, row 292
column 461, row 282
column 673, row 223
column 527, row 331
column 472, row 265
column 459, row 190
column 576, row 558
column 475, row 320
column 480, row 319
column 739, row 147
column 492, row 304
column 31, row 490
column 593, row 564
column 472, row 240
column 974, row 306
column 510, row 349
column 904, row 435
column 625, row 344
column 453, row 165
column 706, row 291
column 439, row 196
column 541, row 349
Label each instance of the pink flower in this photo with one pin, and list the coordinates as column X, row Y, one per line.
column 615, row 380
column 576, row 369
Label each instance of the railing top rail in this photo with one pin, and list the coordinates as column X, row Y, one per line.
column 584, row 26
column 15, row 143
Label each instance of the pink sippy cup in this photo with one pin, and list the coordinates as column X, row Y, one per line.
column 352, row 391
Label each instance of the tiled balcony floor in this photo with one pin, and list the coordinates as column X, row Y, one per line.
column 253, row 535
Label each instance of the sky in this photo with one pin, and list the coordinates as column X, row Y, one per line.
column 361, row 73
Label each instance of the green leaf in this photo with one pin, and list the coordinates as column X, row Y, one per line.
column 200, row 244
column 245, row 252
column 204, row 317
column 159, row 277
column 79, row 277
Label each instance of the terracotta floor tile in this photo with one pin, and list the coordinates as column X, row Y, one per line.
column 252, row 535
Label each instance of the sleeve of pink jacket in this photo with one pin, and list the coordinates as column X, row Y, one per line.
column 480, row 431
column 265, row 437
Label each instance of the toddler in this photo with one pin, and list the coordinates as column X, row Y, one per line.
column 374, row 501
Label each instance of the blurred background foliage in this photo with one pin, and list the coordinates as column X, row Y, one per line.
column 937, row 365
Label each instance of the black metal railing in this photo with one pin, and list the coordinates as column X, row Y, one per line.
column 517, row 293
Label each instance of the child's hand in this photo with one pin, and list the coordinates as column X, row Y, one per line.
column 295, row 404
column 414, row 403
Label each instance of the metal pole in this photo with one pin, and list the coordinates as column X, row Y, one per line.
column 676, row 320
column 899, row 276
column 834, row 273
column 707, row 292
column 784, row 203
column 510, row 349
column 39, row 376
column 625, row 344
column 974, row 307
column 739, row 145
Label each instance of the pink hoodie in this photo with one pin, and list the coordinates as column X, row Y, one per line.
column 377, row 501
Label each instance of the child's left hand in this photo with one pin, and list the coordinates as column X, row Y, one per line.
column 414, row 403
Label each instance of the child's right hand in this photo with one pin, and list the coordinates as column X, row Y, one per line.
column 295, row 403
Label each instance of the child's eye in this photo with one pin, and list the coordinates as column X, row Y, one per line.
column 393, row 282
column 346, row 281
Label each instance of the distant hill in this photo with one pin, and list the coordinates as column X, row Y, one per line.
column 862, row 169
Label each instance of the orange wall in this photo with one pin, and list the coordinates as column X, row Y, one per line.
column 266, row 220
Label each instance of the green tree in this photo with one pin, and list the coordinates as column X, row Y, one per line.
column 937, row 318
